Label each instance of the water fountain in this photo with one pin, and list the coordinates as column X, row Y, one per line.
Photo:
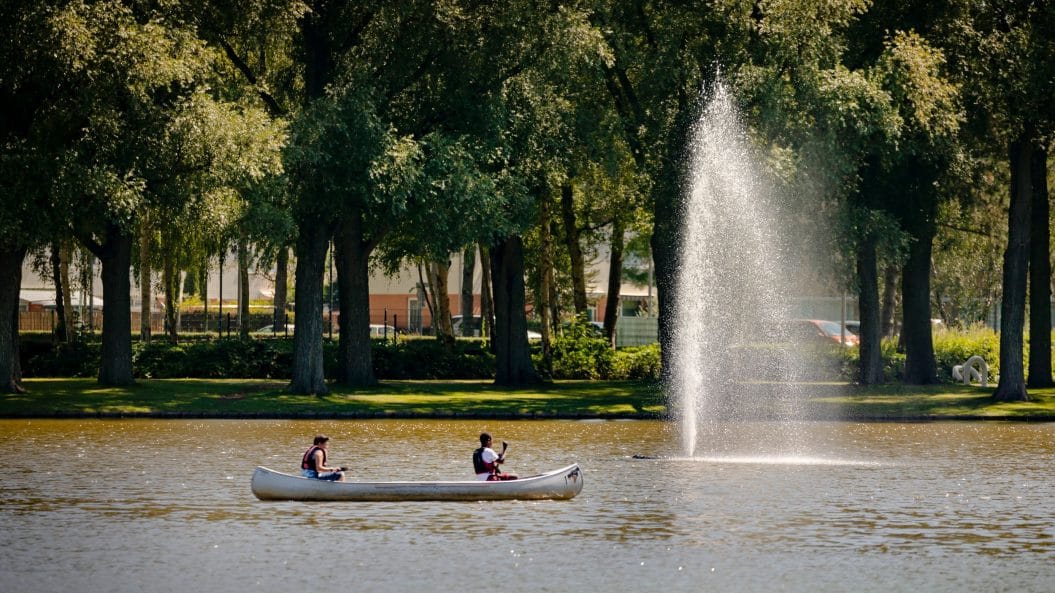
column 732, row 294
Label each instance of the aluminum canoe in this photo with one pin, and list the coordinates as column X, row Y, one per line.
column 564, row 483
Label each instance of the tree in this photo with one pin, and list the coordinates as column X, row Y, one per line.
column 142, row 132
column 28, row 141
column 1003, row 53
column 919, row 174
column 661, row 55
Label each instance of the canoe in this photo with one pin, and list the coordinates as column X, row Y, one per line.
column 564, row 483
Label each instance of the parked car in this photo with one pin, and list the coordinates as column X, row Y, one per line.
column 275, row 330
column 379, row 330
column 475, row 325
column 821, row 330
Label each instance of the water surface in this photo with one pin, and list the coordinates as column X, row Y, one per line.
column 145, row 505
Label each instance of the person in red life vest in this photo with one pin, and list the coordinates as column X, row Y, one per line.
column 486, row 461
column 313, row 464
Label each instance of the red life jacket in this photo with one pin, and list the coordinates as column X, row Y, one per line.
column 308, row 461
column 481, row 466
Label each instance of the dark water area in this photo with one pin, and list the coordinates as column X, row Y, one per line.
column 164, row 505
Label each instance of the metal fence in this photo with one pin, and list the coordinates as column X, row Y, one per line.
column 636, row 331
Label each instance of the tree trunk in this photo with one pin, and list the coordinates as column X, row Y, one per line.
column 916, row 331
column 180, row 286
column 615, row 279
column 468, row 271
column 871, row 371
column 1040, row 275
column 169, row 285
column 889, row 310
column 666, row 233
column 204, row 282
column 243, row 288
column 67, row 294
column 571, row 237
column 62, row 329
column 512, row 354
column 355, row 363
column 145, row 296
column 10, row 283
column 281, row 289
column 545, row 282
column 487, row 303
column 308, row 372
column 1012, row 385
column 441, row 319
column 116, row 257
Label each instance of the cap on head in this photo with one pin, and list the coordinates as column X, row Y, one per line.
column 321, row 438
column 485, row 437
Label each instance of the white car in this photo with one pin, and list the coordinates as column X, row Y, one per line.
column 378, row 330
column 275, row 330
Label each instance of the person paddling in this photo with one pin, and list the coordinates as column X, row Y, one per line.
column 486, row 461
column 313, row 463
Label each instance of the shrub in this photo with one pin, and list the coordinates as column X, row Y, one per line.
column 42, row 358
column 637, row 363
column 955, row 347
column 429, row 359
column 579, row 353
column 951, row 347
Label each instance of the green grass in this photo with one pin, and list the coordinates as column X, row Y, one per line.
column 247, row 397
column 562, row 399
column 932, row 402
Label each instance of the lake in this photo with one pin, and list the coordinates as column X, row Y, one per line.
column 165, row 505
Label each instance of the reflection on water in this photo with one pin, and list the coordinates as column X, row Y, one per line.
column 143, row 505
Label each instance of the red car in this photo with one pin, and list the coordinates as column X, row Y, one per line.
column 819, row 329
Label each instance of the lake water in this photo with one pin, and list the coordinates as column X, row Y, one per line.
column 145, row 505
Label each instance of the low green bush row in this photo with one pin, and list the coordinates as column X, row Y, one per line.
column 273, row 359
column 951, row 348
column 576, row 354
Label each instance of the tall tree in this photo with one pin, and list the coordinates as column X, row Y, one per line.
column 1040, row 274
column 1003, row 54
column 29, row 68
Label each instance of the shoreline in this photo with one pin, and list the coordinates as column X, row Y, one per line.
column 542, row 415
column 241, row 399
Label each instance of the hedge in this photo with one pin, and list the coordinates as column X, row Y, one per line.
column 576, row 354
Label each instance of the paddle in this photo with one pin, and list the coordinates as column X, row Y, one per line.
column 501, row 456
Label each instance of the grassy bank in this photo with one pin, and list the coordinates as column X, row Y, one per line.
column 263, row 398
column 241, row 398
column 932, row 402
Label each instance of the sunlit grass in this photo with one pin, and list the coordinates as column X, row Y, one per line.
column 563, row 399
column 934, row 401
column 240, row 397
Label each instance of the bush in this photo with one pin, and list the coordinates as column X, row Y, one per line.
column 429, row 359
column 951, row 347
column 955, row 347
column 637, row 363
column 43, row 358
column 579, row 353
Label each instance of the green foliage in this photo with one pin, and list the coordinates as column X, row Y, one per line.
column 429, row 359
column 209, row 358
column 637, row 363
column 951, row 348
column 42, row 358
column 955, row 347
column 579, row 353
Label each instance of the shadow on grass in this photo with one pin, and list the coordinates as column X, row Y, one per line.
column 221, row 398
